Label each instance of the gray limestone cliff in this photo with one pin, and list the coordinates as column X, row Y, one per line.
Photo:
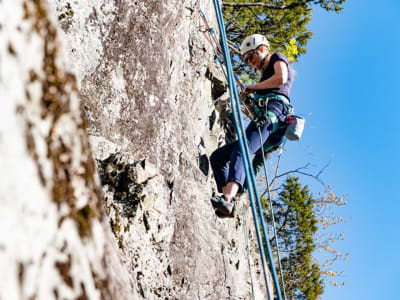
column 111, row 111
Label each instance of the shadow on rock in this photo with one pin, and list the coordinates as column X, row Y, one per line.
column 120, row 178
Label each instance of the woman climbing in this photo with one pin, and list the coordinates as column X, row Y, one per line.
column 272, row 94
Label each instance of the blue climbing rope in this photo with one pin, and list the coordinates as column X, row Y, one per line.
column 251, row 182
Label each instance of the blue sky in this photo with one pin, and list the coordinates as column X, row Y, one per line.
column 347, row 86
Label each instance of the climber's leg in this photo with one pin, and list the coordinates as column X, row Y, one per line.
column 236, row 167
column 219, row 163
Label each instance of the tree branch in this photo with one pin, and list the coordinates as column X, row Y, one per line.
column 270, row 6
column 257, row 16
column 298, row 170
column 281, row 228
column 233, row 47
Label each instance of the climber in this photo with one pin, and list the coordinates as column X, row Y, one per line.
column 272, row 94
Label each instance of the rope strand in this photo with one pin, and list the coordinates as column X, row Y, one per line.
column 251, row 182
column 272, row 215
column 247, row 249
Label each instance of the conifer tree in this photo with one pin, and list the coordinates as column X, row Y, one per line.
column 296, row 227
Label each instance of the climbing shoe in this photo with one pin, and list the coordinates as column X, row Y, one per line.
column 223, row 215
column 223, row 209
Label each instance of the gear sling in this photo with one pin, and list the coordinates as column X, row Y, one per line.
column 291, row 129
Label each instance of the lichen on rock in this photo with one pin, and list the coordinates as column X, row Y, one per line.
column 113, row 114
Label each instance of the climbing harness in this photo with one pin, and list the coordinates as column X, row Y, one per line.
column 260, row 104
column 251, row 181
column 294, row 124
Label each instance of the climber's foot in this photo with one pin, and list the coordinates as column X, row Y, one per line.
column 223, row 209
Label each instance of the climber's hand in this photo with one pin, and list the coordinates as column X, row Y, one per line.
column 245, row 91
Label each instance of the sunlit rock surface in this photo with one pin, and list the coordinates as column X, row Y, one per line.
column 129, row 218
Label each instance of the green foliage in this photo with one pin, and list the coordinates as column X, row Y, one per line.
column 296, row 227
column 291, row 49
column 283, row 22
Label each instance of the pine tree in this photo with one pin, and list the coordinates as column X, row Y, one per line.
column 296, row 227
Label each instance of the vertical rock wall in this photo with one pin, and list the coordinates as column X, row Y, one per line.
column 147, row 85
column 53, row 242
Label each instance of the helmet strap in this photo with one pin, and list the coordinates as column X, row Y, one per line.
column 262, row 57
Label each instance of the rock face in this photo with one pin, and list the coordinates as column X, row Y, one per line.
column 148, row 89
column 53, row 240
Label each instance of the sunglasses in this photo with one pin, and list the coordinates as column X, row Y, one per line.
column 249, row 57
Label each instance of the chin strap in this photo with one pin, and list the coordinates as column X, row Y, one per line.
column 263, row 59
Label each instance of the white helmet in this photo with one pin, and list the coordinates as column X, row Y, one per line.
column 252, row 42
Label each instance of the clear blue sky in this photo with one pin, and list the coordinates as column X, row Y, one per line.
column 347, row 86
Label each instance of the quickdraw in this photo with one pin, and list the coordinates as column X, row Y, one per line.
column 210, row 35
